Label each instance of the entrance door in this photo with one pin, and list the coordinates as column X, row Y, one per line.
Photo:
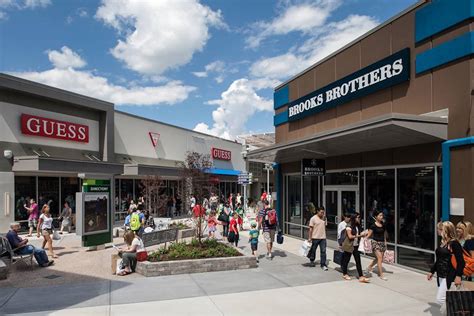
column 339, row 201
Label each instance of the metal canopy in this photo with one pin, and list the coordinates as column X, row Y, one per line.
column 383, row 132
column 43, row 164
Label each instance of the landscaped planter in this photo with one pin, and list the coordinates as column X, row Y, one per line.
column 150, row 269
column 186, row 233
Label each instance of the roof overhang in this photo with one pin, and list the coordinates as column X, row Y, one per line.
column 383, row 132
column 52, row 165
column 150, row 170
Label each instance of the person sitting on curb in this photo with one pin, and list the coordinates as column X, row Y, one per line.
column 21, row 246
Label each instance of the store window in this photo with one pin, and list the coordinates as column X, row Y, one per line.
column 341, row 178
column 48, row 193
column 361, row 194
column 294, row 200
column 416, row 207
column 380, row 188
column 310, row 197
column 69, row 188
column 415, row 258
column 25, row 189
column 126, row 194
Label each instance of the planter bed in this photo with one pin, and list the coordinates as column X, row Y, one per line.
column 186, row 233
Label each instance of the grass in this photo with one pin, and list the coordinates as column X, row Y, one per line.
column 210, row 248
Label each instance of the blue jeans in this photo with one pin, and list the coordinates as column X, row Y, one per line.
column 39, row 254
column 322, row 249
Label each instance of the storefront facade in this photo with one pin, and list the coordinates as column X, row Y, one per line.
column 51, row 139
column 381, row 115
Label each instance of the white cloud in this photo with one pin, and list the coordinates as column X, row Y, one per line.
column 21, row 5
column 333, row 37
column 304, row 17
column 86, row 83
column 200, row 74
column 236, row 105
column 158, row 35
column 217, row 67
column 81, row 12
column 65, row 59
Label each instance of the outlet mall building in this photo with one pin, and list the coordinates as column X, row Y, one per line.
column 389, row 119
column 55, row 136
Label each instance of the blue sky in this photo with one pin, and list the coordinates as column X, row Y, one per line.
column 204, row 65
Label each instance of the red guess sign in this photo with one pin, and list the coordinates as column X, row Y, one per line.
column 221, row 154
column 46, row 127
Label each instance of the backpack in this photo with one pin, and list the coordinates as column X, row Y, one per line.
column 469, row 267
column 135, row 221
column 272, row 217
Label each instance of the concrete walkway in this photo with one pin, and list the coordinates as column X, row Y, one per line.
column 282, row 286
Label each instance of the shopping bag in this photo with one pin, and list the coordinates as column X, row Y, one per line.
column 367, row 245
column 459, row 301
column 56, row 235
column 231, row 237
column 361, row 246
column 389, row 256
column 280, row 237
column 305, row 248
column 217, row 235
column 337, row 258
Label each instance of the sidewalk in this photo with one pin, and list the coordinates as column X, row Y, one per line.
column 282, row 286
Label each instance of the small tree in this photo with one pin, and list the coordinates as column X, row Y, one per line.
column 197, row 182
column 151, row 189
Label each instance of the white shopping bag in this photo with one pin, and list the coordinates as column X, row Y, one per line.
column 246, row 224
column 217, row 235
column 305, row 248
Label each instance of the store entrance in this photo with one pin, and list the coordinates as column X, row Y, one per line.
column 338, row 201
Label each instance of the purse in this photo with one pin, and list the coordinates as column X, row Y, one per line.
column 223, row 217
column 142, row 256
column 280, row 237
column 367, row 245
column 389, row 256
column 337, row 258
column 231, row 237
column 348, row 245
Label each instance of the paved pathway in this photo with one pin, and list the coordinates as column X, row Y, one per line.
column 282, row 286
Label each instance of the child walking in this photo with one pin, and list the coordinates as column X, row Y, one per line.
column 234, row 228
column 211, row 224
column 253, row 239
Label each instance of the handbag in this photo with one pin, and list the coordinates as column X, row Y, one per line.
column 348, row 245
column 389, row 256
column 367, row 245
column 231, row 237
column 280, row 237
column 142, row 256
column 223, row 217
column 459, row 301
column 337, row 258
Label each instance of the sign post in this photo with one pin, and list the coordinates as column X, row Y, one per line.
column 244, row 179
column 268, row 167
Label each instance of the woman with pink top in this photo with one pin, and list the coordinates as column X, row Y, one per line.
column 32, row 217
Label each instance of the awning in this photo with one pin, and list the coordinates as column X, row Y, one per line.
column 383, row 132
column 224, row 172
column 49, row 164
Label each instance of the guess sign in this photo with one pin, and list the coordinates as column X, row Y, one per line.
column 46, row 127
column 221, row 154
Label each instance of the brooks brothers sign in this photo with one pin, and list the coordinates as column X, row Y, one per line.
column 383, row 74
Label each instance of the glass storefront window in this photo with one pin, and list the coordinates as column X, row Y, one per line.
column 310, row 197
column 69, row 188
column 293, row 230
column 341, row 178
column 416, row 207
column 48, row 193
column 25, row 189
column 126, row 194
column 294, row 199
column 414, row 258
column 361, row 195
column 380, row 188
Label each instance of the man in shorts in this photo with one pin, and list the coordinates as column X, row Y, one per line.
column 268, row 230
column 33, row 215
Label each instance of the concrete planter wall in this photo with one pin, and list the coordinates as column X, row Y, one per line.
column 150, row 269
column 186, row 233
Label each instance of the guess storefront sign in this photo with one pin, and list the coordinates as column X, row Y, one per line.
column 46, row 127
column 221, row 154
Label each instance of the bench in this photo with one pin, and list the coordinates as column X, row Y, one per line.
column 159, row 237
column 15, row 257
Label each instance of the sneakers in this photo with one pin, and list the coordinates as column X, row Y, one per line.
column 50, row 262
column 324, row 268
column 269, row 256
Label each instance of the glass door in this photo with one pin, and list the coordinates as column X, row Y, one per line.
column 339, row 201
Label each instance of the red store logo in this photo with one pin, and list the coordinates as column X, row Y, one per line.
column 46, row 127
column 221, row 154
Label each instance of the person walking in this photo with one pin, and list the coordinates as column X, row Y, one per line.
column 66, row 216
column 46, row 225
column 317, row 238
column 446, row 273
column 234, row 228
column 253, row 239
column 268, row 222
column 32, row 217
column 378, row 233
column 346, row 218
column 350, row 246
column 224, row 218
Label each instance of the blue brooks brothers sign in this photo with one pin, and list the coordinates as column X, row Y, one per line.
column 385, row 73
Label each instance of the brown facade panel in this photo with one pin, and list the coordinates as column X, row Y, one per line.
column 462, row 186
column 291, row 167
column 413, row 97
column 344, row 162
column 418, row 154
column 402, row 33
column 325, row 120
column 347, row 61
column 281, row 133
column 377, row 158
column 306, row 83
column 376, row 104
column 293, row 90
column 282, row 109
column 376, row 46
column 451, row 33
column 325, row 73
column 452, row 89
column 348, row 113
